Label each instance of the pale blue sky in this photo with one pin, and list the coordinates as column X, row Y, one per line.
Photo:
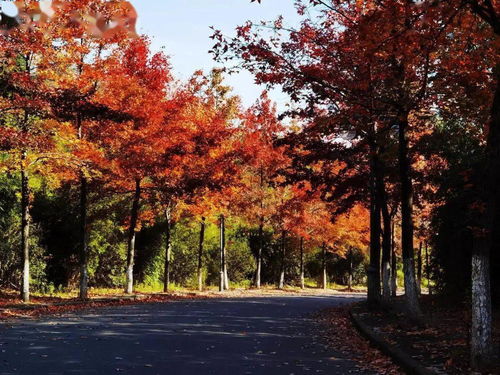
column 182, row 27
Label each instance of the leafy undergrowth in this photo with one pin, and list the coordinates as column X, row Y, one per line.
column 342, row 336
column 441, row 343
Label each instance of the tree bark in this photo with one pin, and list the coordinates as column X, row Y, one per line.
column 482, row 352
column 25, row 216
column 226, row 278
column 302, row 278
column 25, row 231
column 200, row 254
column 419, row 268
column 394, row 261
column 222, row 253
column 259, row 254
column 129, row 289
column 386, row 261
column 411, row 295
column 386, row 236
column 324, row 280
column 428, row 268
column 349, row 278
column 84, row 276
column 168, row 249
column 258, row 272
column 373, row 272
column 281, row 281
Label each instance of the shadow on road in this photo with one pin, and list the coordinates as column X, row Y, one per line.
column 271, row 335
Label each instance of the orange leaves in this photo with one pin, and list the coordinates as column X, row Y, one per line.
column 99, row 19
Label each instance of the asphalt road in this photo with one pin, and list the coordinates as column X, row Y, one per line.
column 271, row 335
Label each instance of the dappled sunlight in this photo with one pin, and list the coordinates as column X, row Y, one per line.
column 267, row 335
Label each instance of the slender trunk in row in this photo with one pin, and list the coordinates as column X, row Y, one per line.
column 428, row 268
column 281, row 281
column 25, row 217
column 84, row 256
column 200, row 254
column 129, row 288
column 259, row 254
column 25, row 231
column 258, row 272
column 168, row 250
column 411, row 295
column 302, row 278
column 226, row 277
column 386, row 233
column 375, row 230
column 419, row 268
column 222, row 253
column 394, row 261
column 324, row 280
column 84, row 276
column 349, row 279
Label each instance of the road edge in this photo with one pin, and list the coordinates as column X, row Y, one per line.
column 407, row 363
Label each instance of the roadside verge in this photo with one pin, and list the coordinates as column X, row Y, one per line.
column 405, row 361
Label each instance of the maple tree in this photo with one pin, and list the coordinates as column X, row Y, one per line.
column 201, row 159
column 85, row 45
column 35, row 141
column 409, row 36
column 260, row 174
column 392, row 130
column 138, row 81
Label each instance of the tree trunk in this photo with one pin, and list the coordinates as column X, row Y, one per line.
column 386, row 237
column 129, row 289
column 200, row 254
column 481, row 330
column 419, row 268
column 411, row 295
column 281, row 282
column 258, row 272
column 394, row 261
column 168, row 250
column 349, row 279
column 25, row 231
column 222, row 253
column 226, row 278
column 302, row 279
column 373, row 272
column 259, row 254
column 428, row 268
column 84, row 276
column 324, row 280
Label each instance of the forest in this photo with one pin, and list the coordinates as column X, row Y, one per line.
column 382, row 174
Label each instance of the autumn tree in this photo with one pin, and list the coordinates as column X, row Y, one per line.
column 201, row 159
column 138, row 84
column 81, row 65
column 26, row 122
column 259, row 194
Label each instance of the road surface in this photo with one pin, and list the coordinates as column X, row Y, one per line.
column 271, row 335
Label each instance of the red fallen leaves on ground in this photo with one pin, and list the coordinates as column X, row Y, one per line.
column 42, row 306
column 12, row 307
column 343, row 336
column 441, row 344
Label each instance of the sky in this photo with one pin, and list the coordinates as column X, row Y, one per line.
column 182, row 29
